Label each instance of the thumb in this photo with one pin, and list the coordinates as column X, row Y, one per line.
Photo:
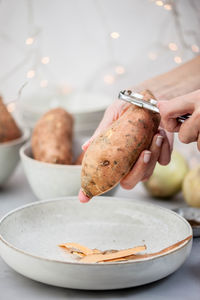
column 170, row 110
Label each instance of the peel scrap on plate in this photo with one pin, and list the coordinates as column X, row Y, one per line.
column 88, row 255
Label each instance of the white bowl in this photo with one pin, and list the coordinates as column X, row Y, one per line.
column 53, row 180
column 30, row 235
column 50, row 180
column 86, row 108
column 9, row 156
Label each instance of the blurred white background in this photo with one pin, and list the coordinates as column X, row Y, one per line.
column 93, row 49
column 69, row 43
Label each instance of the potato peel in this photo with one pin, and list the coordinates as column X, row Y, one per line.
column 93, row 258
column 75, row 247
column 88, row 255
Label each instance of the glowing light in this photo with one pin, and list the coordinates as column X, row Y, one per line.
column 119, row 70
column 178, row 59
column 167, row 7
column 30, row 74
column 65, row 89
column 11, row 107
column 115, row 35
column 29, row 41
column 195, row 48
column 159, row 3
column 45, row 60
column 152, row 56
column 173, row 47
column 109, row 79
column 43, row 83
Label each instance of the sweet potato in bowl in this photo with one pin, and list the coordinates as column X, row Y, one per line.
column 12, row 137
column 48, row 159
column 9, row 130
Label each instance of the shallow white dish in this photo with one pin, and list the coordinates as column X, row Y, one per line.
column 53, row 180
column 9, row 156
column 29, row 237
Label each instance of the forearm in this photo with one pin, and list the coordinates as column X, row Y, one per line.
column 179, row 81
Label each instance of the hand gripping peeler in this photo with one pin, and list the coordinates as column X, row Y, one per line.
column 138, row 100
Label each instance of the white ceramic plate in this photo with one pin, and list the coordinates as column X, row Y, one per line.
column 29, row 237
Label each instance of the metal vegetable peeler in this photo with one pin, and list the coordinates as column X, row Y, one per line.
column 138, row 99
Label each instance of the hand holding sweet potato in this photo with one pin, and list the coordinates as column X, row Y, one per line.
column 108, row 165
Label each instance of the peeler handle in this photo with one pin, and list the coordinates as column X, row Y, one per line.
column 183, row 118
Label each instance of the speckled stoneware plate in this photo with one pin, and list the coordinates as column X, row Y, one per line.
column 29, row 237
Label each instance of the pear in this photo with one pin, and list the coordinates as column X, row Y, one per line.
column 166, row 181
column 191, row 187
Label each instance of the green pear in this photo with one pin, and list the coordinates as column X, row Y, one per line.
column 166, row 181
column 191, row 187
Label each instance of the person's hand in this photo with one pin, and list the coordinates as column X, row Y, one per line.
column 189, row 131
column 160, row 149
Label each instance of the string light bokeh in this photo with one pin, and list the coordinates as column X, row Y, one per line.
column 177, row 47
column 172, row 8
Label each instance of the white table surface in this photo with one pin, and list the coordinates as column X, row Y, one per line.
column 183, row 284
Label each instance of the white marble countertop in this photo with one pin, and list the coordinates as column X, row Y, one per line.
column 183, row 284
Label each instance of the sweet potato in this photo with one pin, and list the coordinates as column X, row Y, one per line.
column 8, row 128
column 113, row 153
column 52, row 137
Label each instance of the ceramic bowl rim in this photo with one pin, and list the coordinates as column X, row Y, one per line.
column 24, row 137
column 24, row 156
column 92, row 264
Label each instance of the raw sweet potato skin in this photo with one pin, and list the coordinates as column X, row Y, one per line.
column 113, row 153
column 8, row 128
column 52, row 137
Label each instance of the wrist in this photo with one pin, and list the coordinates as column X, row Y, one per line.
column 179, row 81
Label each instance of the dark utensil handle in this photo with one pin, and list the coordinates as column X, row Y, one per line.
column 183, row 118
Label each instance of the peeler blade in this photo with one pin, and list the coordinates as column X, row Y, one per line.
column 137, row 99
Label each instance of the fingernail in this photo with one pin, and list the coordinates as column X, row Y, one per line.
column 159, row 140
column 147, row 156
